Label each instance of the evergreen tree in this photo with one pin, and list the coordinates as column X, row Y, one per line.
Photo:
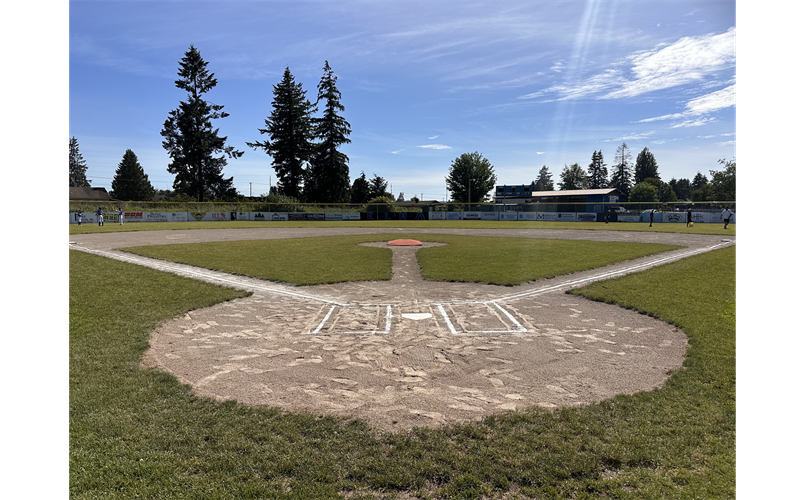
column 544, row 182
column 190, row 140
column 290, row 135
column 361, row 191
column 329, row 172
column 130, row 181
column 470, row 178
column 597, row 172
column 645, row 166
column 573, row 178
column 378, row 187
column 78, row 167
column 622, row 170
column 698, row 182
column 681, row 187
column 644, row 192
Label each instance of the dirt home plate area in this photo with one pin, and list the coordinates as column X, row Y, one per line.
column 408, row 352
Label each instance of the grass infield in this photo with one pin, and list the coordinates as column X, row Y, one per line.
column 466, row 224
column 141, row 434
column 311, row 261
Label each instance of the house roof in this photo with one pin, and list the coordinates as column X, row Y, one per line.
column 577, row 192
column 89, row 193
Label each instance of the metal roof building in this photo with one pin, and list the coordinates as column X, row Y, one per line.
column 577, row 200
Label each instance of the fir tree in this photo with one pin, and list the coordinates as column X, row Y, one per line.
column 597, row 172
column 378, row 187
column 190, row 140
column 361, row 191
column 622, row 170
column 290, row 135
column 645, row 166
column 130, row 181
column 329, row 172
column 544, row 182
column 78, row 167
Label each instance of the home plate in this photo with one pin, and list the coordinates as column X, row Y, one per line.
column 416, row 316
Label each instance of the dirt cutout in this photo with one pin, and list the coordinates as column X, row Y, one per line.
column 409, row 352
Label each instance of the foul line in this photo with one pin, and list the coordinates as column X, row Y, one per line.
column 179, row 270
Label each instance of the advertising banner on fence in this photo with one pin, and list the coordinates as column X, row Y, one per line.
column 351, row 215
column 238, row 215
column 507, row 216
column 306, row 216
column 480, row 216
column 204, row 216
column 454, row 215
column 436, row 215
column 546, row 215
column 585, row 217
column 628, row 218
column 527, row 216
column 566, row 216
column 272, row 216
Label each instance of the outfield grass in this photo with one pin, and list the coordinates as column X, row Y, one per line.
column 312, row 261
column 465, row 224
column 140, row 434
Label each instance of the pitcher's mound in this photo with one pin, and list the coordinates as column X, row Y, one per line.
column 405, row 243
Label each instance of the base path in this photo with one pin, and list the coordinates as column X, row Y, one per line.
column 408, row 352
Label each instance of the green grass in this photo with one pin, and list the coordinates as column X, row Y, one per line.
column 140, row 434
column 310, row 261
column 465, row 224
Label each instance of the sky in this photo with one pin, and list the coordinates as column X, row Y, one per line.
column 526, row 84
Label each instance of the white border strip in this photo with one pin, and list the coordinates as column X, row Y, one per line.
column 518, row 327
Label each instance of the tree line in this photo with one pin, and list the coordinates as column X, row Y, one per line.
column 640, row 180
column 304, row 151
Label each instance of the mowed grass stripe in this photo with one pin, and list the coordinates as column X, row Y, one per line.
column 140, row 434
column 312, row 261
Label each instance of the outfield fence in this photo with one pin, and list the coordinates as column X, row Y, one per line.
column 703, row 212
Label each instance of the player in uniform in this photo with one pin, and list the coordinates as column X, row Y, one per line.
column 120, row 215
column 99, row 213
column 79, row 216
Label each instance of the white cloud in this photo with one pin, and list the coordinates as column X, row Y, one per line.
column 434, row 146
column 693, row 123
column 702, row 105
column 540, row 152
column 688, row 60
column 431, row 138
column 398, row 151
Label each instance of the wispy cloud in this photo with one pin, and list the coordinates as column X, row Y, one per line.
column 434, row 146
column 700, row 106
column 688, row 60
column 398, row 151
column 540, row 152
column 432, row 137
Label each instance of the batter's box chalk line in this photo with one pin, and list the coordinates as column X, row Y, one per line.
column 460, row 318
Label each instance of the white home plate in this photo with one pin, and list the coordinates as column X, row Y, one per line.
column 416, row 316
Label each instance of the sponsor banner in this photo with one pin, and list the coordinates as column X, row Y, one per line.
column 436, row 215
column 471, row 215
column 305, row 216
column 674, row 217
column 331, row 216
column 628, row 218
column 546, row 215
column 586, row 217
column 351, row 215
column 264, row 216
column 566, row 216
column 527, row 216
column 203, row 216
column 453, row 215
column 177, row 216
column 86, row 219
column 133, row 217
column 507, row 216
column 238, row 215
column 154, row 217
column 646, row 217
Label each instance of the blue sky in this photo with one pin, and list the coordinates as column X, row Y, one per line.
column 526, row 84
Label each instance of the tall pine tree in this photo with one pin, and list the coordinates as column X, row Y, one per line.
column 329, row 172
column 290, row 135
column 78, row 167
column 572, row 178
column 645, row 166
column 130, row 181
column 544, row 182
column 622, row 170
column 597, row 172
column 361, row 190
column 198, row 154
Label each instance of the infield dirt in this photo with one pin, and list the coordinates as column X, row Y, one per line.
column 408, row 352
